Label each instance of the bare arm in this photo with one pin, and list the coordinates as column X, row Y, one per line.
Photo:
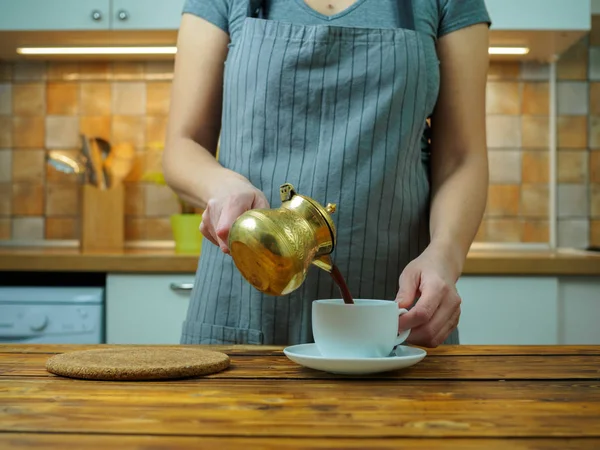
column 459, row 189
column 189, row 162
column 459, row 148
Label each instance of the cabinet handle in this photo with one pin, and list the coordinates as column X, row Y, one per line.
column 123, row 15
column 182, row 287
column 96, row 15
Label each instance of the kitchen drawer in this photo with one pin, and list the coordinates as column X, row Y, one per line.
column 146, row 309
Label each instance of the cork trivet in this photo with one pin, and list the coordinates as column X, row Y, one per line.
column 137, row 363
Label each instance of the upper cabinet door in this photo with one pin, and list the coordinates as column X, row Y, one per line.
column 146, row 14
column 55, row 15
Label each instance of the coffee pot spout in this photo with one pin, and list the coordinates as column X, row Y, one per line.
column 324, row 262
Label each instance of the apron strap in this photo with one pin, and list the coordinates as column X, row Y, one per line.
column 406, row 15
column 255, row 9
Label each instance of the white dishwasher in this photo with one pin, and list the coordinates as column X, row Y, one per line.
column 52, row 315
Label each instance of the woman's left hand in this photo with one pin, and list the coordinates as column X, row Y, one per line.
column 430, row 280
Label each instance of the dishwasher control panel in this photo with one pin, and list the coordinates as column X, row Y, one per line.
column 52, row 315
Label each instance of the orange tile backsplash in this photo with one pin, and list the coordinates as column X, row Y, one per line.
column 62, row 98
column 95, row 99
column 28, row 166
column 535, row 231
column 573, row 64
column 98, row 126
column 5, row 233
column 5, row 199
column 503, row 97
column 572, row 166
column 28, row 132
column 27, row 199
column 536, row 131
column 129, row 129
column 158, row 98
column 6, row 131
column 29, row 99
column 503, row 200
column 62, row 228
column 573, row 132
column 535, row 167
column 535, row 99
column 45, row 106
column 594, row 232
column 534, row 201
column 62, row 132
column 595, row 167
column 61, row 200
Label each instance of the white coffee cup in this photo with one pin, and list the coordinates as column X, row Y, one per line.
column 365, row 329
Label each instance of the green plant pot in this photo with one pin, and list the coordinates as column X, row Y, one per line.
column 186, row 232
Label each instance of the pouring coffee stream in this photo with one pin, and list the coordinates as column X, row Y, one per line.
column 274, row 248
column 342, row 285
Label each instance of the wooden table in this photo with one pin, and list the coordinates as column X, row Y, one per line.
column 457, row 398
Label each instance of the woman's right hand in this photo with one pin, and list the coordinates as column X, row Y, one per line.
column 234, row 197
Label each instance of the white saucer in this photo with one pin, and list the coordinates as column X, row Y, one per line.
column 308, row 355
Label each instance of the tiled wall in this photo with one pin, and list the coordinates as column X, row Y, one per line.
column 46, row 106
column 518, row 138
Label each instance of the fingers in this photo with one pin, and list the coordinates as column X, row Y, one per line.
column 408, row 290
column 432, row 293
column 207, row 229
column 443, row 322
column 220, row 215
column 233, row 209
column 228, row 215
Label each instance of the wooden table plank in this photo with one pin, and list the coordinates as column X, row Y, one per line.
column 102, row 442
column 49, row 349
column 445, row 350
column 560, row 367
column 261, row 408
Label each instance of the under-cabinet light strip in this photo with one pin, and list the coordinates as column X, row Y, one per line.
column 97, row 50
column 173, row 50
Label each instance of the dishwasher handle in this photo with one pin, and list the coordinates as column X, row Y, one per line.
column 182, row 287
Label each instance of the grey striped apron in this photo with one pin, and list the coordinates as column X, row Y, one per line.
column 339, row 113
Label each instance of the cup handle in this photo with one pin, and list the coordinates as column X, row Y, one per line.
column 404, row 335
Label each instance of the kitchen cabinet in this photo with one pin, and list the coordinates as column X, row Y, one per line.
column 540, row 15
column 508, row 310
column 84, row 15
column 579, row 310
column 146, row 14
column 146, row 309
column 530, row 310
column 496, row 310
column 34, row 15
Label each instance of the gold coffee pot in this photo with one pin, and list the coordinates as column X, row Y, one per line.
column 273, row 248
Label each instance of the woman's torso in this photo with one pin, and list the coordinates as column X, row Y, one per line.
column 340, row 113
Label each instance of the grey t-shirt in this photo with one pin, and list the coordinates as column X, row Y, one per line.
column 434, row 18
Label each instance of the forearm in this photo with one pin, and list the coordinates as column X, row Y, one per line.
column 459, row 198
column 189, row 162
column 193, row 172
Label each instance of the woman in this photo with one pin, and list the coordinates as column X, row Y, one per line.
column 333, row 96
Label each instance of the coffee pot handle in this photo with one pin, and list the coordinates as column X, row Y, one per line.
column 404, row 335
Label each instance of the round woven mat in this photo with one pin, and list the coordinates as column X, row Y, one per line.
column 137, row 363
